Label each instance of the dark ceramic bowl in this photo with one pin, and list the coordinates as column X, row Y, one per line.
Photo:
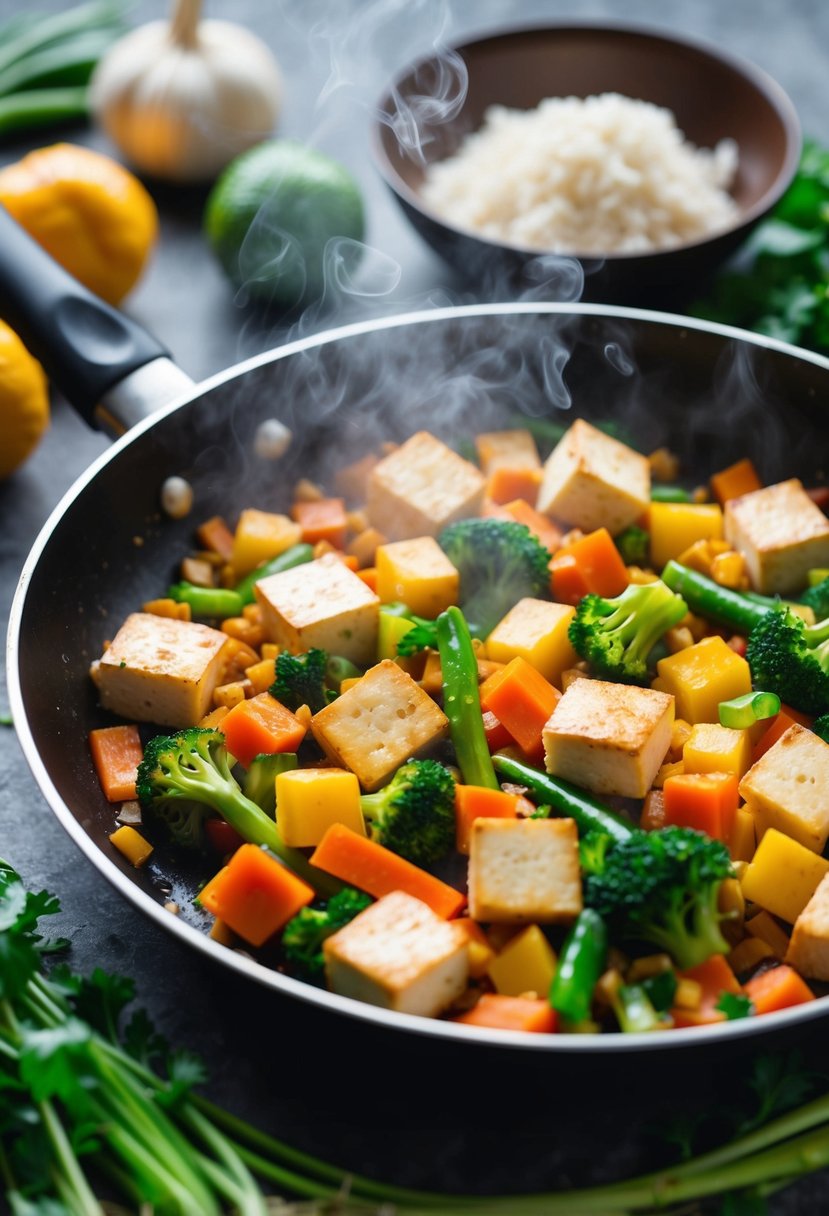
column 424, row 115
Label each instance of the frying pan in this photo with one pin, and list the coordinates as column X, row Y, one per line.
column 711, row 393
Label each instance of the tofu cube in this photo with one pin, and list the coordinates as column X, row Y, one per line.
column 422, row 486
column 378, row 724
column 321, row 604
column 524, row 871
column 400, row 955
column 808, row 950
column 418, row 573
column 610, row 738
column 701, row 676
column 781, row 533
column 309, row 800
column 514, row 449
column 259, row 536
column 162, row 670
column 788, row 788
column 535, row 630
column 592, row 480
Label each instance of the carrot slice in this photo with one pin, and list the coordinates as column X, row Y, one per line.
column 255, row 894
column 714, row 977
column 506, row 483
column 705, row 801
column 737, row 479
column 321, row 519
column 522, row 701
column 369, row 866
column 498, row 1012
column 594, row 563
column 778, row 988
column 261, row 724
column 214, row 534
column 116, row 754
column 777, row 728
column 479, row 802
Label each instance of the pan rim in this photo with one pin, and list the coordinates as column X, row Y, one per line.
column 248, row 968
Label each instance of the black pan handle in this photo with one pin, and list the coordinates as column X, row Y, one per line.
column 86, row 346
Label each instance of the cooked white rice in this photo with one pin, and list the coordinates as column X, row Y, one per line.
column 595, row 175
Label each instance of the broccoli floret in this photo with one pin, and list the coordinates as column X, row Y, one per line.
column 303, row 935
column 821, row 727
column 414, row 815
column 192, row 767
column 817, row 598
column 634, row 545
column 593, row 847
column 791, row 658
column 617, row 635
column 259, row 783
column 300, row 680
column 662, row 888
column 500, row 562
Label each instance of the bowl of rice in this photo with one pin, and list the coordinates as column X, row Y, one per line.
column 613, row 163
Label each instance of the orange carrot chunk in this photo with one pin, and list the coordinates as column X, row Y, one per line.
column 261, row 725
column 363, row 863
column 705, row 801
column 540, row 525
column 497, row 1012
column 714, row 977
column 215, row 535
column 321, row 519
column 497, row 735
column 116, row 754
column 778, row 988
column 737, row 479
column 522, row 701
column 479, row 802
column 778, row 726
column 255, row 894
column 506, row 483
column 596, row 565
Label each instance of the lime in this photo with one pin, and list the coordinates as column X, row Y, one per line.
column 271, row 214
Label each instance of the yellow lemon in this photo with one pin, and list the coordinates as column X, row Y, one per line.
column 90, row 213
column 24, row 402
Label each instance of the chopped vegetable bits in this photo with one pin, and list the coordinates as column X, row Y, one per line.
column 522, row 744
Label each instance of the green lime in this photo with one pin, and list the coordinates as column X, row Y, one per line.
column 271, row 214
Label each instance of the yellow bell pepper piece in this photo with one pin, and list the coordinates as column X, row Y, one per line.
column 711, row 748
column 675, row 526
column 132, row 844
column 310, row 800
column 743, row 840
column 536, row 631
column 526, row 964
column 259, row 536
column 783, row 876
column 701, row 676
column 419, row 573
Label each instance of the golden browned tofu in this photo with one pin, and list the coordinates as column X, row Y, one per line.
column 781, row 533
column 788, row 788
column 161, row 670
column 400, row 955
column 808, row 950
column 514, row 449
column 321, row 604
column 610, row 738
column 378, row 724
column 524, row 871
column 422, row 486
column 592, row 481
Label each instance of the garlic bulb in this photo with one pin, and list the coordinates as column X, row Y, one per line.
column 181, row 99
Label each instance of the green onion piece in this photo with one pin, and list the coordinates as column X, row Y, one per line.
column 661, row 493
column 748, row 709
column 213, row 602
column 42, row 108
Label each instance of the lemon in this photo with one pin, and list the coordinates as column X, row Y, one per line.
column 24, row 402
column 271, row 214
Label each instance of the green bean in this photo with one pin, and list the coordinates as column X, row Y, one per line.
column 461, row 701
column 707, row 598
column 215, row 603
column 580, row 963
column 566, row 800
